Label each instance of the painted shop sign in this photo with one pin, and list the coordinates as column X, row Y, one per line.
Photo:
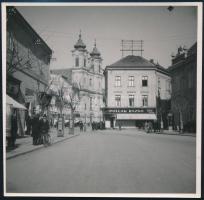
column 129, row 110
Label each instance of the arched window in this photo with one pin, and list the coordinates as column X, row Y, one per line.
column 77, row 62
column 84, row 62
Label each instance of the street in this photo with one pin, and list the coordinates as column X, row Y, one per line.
column 108, row 161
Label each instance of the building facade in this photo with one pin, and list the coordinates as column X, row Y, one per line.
column 27, row 63
column 183, row 103
column 132, row 88
column 87, row 73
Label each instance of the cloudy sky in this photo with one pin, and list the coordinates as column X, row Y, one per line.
column 161, row 30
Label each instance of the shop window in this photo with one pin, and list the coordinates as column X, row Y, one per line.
column 118, row 100
column 131, row 81
column 144, row 81
column 144, row 100
column 131, row 100
column 117, row 81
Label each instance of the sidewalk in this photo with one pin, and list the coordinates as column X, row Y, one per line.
column 25, row 145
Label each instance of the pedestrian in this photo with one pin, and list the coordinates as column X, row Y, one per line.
column 44, row 126
column 35, row 123
column 28, row 124
column 120, row 126
column 14, row 128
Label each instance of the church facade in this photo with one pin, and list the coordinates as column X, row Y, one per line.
column 87, row 73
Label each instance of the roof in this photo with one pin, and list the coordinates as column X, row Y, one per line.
column 65, row 73
column 136, row 62
column 95, row 51
column 132, row 61
column 27, row 26
column 191, row 53
column 80, row 43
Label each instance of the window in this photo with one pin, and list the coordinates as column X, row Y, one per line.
column 131, row 100
column 77, row 62
column 99, row 68
column 159, row 84
column 117, row 81
column 91, row 102
column 117, row 100
column 144, row 100
column 144, row 81
column 190, row 79
column 168, row 85
column 10, row 42
column 90, row 82
column 131, row 81
column 84, row 62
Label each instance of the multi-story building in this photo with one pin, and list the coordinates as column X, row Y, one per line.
column 133, row 86
column 27, row 63
column 60, row 88
column 87, row 73
column 183, row 101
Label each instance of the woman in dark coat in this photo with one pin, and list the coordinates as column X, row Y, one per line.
column 35, row 129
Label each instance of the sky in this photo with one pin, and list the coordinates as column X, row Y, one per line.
column 162, row 31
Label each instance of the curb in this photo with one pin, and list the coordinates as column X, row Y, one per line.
column 39, row 147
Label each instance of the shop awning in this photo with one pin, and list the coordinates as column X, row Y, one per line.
column 137, row 116
column 14, row 103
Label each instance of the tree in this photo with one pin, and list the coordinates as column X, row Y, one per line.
column 73, row 102
column 66, row 94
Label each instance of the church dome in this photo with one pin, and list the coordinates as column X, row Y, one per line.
column 95, row 51
column 80, row 43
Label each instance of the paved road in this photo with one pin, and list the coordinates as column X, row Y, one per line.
column 108, row 162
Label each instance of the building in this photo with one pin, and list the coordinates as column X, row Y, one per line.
column 60, row 88
column 87, row 73
column 133, row 87
column 27, row 63
column 183, row 103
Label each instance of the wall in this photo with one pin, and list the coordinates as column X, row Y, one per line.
column 137, row 90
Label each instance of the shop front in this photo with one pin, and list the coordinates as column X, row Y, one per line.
column 128, row 117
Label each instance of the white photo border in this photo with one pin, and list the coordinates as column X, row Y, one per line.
column 199, row 100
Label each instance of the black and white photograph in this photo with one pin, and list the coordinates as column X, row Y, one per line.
column 102, row 99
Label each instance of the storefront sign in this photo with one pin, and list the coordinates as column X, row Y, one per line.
column 128, row 110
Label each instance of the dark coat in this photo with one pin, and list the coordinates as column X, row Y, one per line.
column 35, row 122
column 14, row 126
column 44, row 126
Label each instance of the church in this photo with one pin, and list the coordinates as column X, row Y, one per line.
column 87, row 72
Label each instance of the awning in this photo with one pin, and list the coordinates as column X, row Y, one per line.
column 137, row 116
column 14, row 103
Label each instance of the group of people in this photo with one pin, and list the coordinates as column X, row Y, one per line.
column 152, row 127
column 98, row 125
column 40, row 127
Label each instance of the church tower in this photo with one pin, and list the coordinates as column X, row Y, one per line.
column 95, row 60
column 80, row 54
